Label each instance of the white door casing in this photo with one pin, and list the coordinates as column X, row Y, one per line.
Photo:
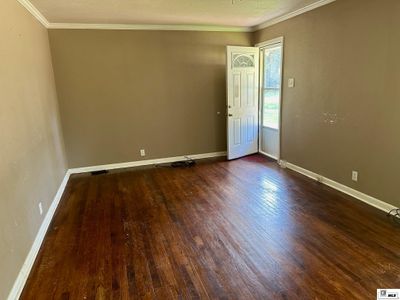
column 270, row 139
column 242, row 100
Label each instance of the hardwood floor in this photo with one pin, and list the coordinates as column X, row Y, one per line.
column 244, row 229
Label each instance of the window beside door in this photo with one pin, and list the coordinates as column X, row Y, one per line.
column 272, row 86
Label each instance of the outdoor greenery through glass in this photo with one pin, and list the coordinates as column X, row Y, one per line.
column 272, row 84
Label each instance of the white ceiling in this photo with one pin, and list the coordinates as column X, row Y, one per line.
column 243, row 13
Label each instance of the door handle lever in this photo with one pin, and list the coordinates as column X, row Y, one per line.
column 230, row 115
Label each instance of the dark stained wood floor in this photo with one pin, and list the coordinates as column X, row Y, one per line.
column 244, row 229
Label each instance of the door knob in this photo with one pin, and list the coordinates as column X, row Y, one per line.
column 230, row 115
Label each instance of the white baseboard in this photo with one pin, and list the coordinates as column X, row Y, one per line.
column 30, row 259
column 386, row 207
column 268, row 155
column 140, row 163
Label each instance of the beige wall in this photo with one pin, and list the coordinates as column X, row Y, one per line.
column 121, row 91
column 345, row 59
column 32, row 162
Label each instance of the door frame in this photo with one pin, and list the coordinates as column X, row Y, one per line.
column 261, row 46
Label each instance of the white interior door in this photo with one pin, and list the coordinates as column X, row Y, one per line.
column 242, row 100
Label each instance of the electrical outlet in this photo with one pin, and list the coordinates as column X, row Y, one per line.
column 142, row 152
column 354, row 176
column 283, row 164
column 40, row 208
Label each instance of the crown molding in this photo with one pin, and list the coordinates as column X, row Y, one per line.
column 148, row 27
column 42, row 19
column 292, row 14
column 35, row 12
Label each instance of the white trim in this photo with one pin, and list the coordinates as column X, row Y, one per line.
column 386, row 207
column 42, row 19
column 292, row 14
column 33, row 252
column 35, row 12
column 149, row 27
column 265, row 45
column 30, row 259
column 269, row 43
column 270, row 128
column 173, row 27
column 268, row 155
column 144, row 162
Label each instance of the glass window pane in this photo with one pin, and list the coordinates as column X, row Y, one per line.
column 271, row 108
column 272, row 84
column 272, row 75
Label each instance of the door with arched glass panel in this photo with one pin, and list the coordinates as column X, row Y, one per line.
column 242, row 100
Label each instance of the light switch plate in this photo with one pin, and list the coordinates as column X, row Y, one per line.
column 291, row 82
column 354, row 176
